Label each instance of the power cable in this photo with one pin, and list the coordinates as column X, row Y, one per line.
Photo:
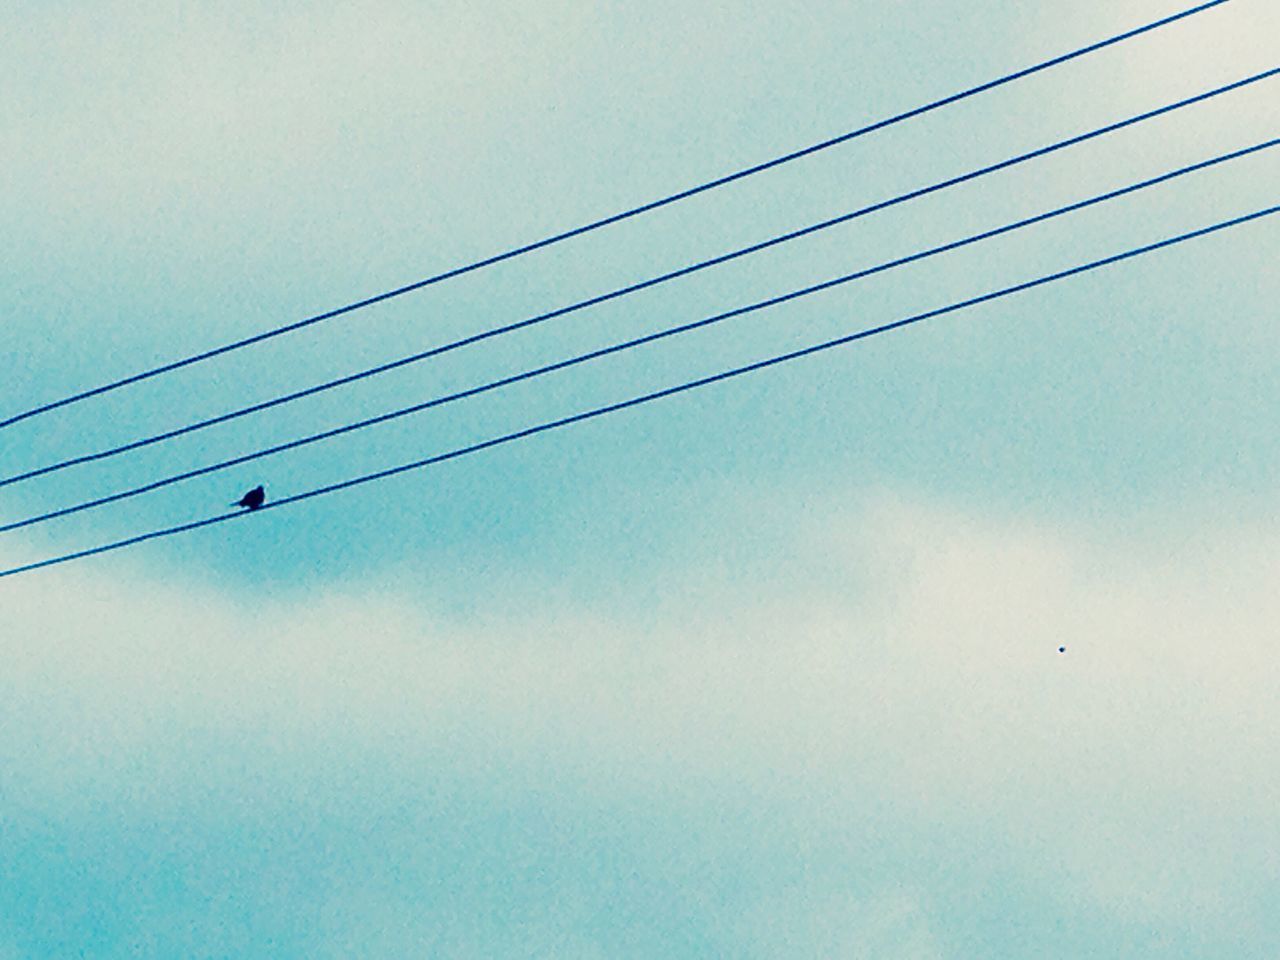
column 606, row 221
column 630, row 344
column 643, row 398
column 633, row 288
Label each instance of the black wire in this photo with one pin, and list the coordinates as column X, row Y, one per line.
column 606, row 221
column 633, row 288
column 629, row 344
column 648, row 397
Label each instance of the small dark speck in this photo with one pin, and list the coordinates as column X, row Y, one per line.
column 1062, row 649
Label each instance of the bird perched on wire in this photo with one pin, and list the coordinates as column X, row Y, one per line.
column 253, row 499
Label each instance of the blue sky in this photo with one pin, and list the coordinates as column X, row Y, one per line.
column 765, row 671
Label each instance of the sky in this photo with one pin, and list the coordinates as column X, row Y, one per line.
column 767, row 670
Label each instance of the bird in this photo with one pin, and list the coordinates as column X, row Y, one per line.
column 253, row 499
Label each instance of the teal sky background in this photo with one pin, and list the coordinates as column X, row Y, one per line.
column 766, row 670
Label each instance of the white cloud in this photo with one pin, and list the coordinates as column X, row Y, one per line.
column 920, row 673
column 135, row 119
column 889, row 925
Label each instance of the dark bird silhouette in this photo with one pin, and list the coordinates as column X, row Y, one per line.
column 253, row 499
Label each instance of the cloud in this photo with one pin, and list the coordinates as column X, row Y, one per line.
column 145, row 120
column 890, row 925
column 905, row 673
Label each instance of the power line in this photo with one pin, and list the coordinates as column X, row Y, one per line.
column 648, row 397
column 606, row 221
column 635, row 342
column 632, row 288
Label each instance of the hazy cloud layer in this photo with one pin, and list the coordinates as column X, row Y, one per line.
column 909, row 698
column 665, row 687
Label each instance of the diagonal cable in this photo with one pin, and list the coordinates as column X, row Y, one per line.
column 647, row 397
column 632, row 343
column 606, row 221
column 635, row 287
